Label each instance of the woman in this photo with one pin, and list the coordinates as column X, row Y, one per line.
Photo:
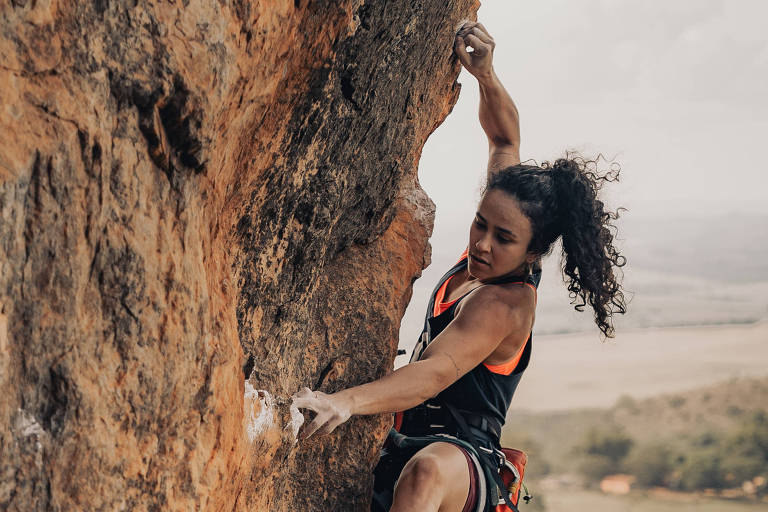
column 477, row 336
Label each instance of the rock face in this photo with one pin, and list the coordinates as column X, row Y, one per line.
column 193, row 194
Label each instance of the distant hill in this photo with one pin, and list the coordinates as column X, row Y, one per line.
column 677, row 418
column 723, row 248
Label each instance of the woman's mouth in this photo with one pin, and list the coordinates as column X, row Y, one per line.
column 475, row 259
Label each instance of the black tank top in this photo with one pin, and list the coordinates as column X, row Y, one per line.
column 480, row 393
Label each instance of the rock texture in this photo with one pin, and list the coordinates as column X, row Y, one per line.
column 193, row 194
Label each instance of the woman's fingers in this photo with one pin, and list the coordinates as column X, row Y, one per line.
column 465, row 28
column 481, row 27
column 327, row 428
column 461, row 51
column 477, row 29
column 305, row 403
column 302, row 393
column 313, row 427
column 483, row 35
column 328, row 415
column 306, row 399
column 479, row 46
column 323, row 424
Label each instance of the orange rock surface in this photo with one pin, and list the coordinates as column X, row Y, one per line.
column 194, row 195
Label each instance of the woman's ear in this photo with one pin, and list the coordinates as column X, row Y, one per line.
column 531, row 258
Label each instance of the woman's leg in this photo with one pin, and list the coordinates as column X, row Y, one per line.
column 435, row 479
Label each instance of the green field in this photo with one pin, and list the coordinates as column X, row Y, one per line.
column 676, row 445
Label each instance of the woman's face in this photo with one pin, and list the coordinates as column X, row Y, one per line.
column 499, row 237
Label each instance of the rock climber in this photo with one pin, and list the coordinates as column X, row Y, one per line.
column 455, row 392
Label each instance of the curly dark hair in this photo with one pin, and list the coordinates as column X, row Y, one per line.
column 561, row 200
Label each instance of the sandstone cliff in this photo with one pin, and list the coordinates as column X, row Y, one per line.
column 193, row 194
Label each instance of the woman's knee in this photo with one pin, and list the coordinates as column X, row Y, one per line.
column 422, row 471
column 436, row 477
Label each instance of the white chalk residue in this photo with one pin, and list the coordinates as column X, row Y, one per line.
column 297, row 420
column 27, row 424
column 258, row 409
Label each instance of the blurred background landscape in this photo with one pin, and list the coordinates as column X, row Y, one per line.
column 671, row 414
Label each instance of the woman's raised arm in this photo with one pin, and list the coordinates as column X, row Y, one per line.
column 498, row 114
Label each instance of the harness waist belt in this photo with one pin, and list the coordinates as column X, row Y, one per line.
column 485, row 424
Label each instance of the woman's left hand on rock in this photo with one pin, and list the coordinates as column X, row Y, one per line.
column 330, row 409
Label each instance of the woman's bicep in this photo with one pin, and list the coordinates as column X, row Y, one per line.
column 477, row 330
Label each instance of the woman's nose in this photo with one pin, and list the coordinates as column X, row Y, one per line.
column 483, row 244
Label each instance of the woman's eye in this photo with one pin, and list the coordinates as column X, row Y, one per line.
column 479, row 224
column 504, row 240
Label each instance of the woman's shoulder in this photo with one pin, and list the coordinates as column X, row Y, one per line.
column 511, row 293
column 516, row 300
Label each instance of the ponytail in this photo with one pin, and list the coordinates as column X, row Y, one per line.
column 590, row 258
column 561, row 200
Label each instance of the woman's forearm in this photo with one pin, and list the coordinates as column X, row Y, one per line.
column 402, row 389
column 498, row 114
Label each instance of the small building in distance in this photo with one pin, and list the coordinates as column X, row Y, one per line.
column 617, row 484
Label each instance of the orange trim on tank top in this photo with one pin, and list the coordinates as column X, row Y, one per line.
column 508, row 367
column 441, row 306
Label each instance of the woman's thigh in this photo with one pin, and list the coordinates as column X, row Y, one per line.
column 438, row 473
